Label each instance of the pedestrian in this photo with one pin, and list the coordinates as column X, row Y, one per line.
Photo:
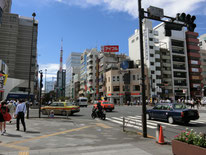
column 192, row 103
column 3, row 118
column 12, row 108
column 20, row 113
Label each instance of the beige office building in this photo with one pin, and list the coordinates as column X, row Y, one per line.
column 116, row 88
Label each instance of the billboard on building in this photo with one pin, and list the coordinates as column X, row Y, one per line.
column 110, row 48
column 3, row 78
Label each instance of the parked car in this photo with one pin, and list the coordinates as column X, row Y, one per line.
column 60, row 108
column 172, row 112
column 107, row 106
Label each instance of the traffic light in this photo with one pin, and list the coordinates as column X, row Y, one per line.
column 172, row 26
column 41, row 81
column 188, row 20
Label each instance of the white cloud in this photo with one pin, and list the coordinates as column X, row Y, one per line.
column 51, row 70
column 171, row 7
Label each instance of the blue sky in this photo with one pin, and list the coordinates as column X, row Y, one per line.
column 92, row 23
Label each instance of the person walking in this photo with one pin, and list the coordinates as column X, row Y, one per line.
column 3, row 110
column 12, row 108
column 20, row 113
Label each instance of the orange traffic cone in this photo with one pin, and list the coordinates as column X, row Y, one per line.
column 161, row 137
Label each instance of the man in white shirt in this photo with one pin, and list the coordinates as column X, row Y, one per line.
column 20, row 113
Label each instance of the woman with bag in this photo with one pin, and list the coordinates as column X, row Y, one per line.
column 6, row 117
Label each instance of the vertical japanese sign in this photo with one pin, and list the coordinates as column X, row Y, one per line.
column 3, row 78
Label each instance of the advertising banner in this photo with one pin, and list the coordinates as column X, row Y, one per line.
column 110, row 48
column 3, row 78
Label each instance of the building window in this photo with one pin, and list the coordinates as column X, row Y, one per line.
column 133, row 40
column 115, row 88
column 150, row 31
column 152, row 63
column 117, row 78
column 151, row 47
column 133, row 77
column 109, row 88
column 108, row 79
column 113, row 78
column 126, row 88
column 151, row 55
column 152, row 72
column 136, row 88
column 136, row 38
column 150, row 39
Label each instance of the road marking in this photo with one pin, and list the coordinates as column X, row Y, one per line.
column 21, row 148
column 49, row 135
column 103, row 125
column 23, row 153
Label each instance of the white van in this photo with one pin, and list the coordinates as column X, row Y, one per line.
column 82, row 101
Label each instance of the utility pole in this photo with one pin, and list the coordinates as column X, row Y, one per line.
column 29, row 83
column 144, row 121
column 41, row 85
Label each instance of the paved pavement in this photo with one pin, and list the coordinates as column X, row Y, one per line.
column 76, row 136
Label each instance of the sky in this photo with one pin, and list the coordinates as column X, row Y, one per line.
column 86, row 24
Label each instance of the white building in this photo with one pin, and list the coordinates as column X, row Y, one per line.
column 151, row 55
column 72, row 68
column 166, row 59
column 88, row 72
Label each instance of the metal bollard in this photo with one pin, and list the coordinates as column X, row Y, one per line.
column 157, row 132
column 123, row 124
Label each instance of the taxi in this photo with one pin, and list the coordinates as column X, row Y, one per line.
column 61, row 108
column 108, row 106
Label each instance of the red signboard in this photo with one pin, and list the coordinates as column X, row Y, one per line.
column 110, row 48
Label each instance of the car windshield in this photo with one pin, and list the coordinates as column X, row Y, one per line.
column 69, row 103
column 106, row 103
column 84, row 100
column 179, row 106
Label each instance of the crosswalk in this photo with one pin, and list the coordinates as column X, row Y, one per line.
column 136, row 122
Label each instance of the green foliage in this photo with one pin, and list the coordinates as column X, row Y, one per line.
column 191, row 137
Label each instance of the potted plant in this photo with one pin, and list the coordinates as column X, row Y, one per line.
column 189, row 143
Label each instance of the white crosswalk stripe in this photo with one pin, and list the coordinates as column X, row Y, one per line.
column 136, row 122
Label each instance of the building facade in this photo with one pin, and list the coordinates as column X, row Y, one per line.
column 72, row 68
column 18, row 36
column 60, row 85
column 120, row 91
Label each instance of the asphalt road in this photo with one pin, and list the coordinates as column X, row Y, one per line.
column 132, row 115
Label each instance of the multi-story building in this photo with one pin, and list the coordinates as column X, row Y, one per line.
column 176, row 45
column 72, row 67
column 151, row 55
column 194, row 64
column 18, row 36
column 106, row 59
column 49, row 86
column 202, row 45
column 60, row 85
column 117, row 89
column 88, row 73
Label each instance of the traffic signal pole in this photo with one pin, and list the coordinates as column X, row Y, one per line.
column 144, row 121
column 41, row 85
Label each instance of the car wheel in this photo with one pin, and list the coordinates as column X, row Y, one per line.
column 148, row 117
column 170, row 120
column 186, row 122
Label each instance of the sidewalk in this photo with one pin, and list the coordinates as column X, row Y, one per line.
column 77, row 137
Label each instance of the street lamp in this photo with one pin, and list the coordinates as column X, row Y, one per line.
column 41, row 85
column 29, row 83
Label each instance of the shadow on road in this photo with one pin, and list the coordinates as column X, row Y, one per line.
column 35, row 132
column 12, row 135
